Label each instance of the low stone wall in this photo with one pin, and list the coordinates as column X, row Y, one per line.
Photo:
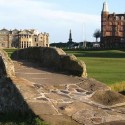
column 2, row 68
column 6, row 65
column 11, row 100
column 53, row 57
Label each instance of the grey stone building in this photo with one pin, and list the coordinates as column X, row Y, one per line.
column 23, row 38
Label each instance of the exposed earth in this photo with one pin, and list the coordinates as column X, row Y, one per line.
column 61, row 99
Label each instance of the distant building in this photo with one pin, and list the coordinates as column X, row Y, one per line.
column 70, row 43
column 112, row 28
column 96, row 44
column 23, row 39
column 70, row 38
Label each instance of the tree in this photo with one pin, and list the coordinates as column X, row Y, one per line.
column 97, row 34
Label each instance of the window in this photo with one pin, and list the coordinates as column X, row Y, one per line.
column 35, row 39
column 122, row 17
column 121, row 28
column 117, row 18
column 27, row 44
column 2, row 39
column 115, row 23
column 109, row 28
column 3, row 44
column 24, row 45
column 104, row 23
column 104, row 19
column 110, row 18
column 110, row 23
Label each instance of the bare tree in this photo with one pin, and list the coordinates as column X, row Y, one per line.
column 97, row 34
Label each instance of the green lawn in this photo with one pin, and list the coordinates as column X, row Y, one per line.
column 106, row 66
column 10, row 51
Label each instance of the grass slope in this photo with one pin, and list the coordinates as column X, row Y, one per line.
column 10, row 51
column 107, row 66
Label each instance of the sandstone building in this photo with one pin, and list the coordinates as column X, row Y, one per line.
column 23, row 39
column 112, row 28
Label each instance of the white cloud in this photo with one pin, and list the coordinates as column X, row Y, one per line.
column 43, row 15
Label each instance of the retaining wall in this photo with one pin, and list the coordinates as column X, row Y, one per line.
column 6, row 65
column 54, row 58
column 11, row 100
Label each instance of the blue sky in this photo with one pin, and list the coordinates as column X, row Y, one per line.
column 57, row 17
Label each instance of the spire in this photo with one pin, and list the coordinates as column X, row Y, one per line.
column 70, row 37
column 105, row 7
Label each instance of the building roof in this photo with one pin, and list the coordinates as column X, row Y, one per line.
column 4, row 31
column 15, row 31
column 25, row 32
column 34, row 31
